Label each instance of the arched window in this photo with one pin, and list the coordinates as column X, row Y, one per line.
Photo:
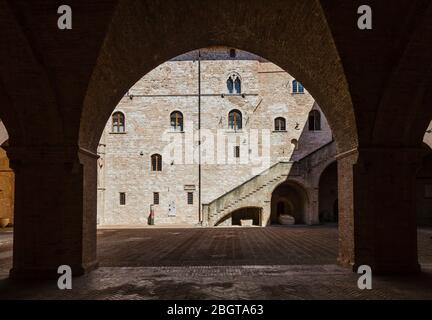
column 235, row 120
column 156, row 162
column 314, row 120
column 176, row 121
column 297, row 87
column 280, row 124
column 234, row 84
column 118, row 122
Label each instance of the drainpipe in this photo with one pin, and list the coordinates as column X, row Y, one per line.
column 200, row 217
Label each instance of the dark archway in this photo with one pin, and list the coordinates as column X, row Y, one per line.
column 328, row 195
column 288, row 200
column 248, row 216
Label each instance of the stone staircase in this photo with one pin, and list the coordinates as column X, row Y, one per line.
column 257, row 191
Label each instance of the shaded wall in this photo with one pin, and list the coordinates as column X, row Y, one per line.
column 328, row 195
column 424, row 192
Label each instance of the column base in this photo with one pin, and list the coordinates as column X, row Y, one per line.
column 49, row 274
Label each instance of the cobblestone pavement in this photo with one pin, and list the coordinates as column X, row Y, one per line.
column 234, row 263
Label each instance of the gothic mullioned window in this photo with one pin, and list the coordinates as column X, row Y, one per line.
column 235, row 120
column 176, row 121
column 297, row 87
column 314, row 120
column 156, row 162
column 118, row 122
column 234, row 84
column 280, row 124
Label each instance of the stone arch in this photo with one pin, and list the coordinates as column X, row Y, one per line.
column 315, row 63
column 295, row 200
column 244, row 213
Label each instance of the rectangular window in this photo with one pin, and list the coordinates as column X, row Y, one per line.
column 190, row 197
column 122, row 198
column 237, row 152
column 155, row 197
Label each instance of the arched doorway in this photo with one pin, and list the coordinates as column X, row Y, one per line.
column 289, row 203
column 249, row 216
column 328, row 195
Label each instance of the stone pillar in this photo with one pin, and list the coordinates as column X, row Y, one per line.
column 313, row 218
column 377, row 222
column 55, row 211
column 266, row 213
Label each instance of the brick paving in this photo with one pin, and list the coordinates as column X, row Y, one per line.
column 229, row 263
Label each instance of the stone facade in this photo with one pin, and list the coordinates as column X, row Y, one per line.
column 266, row 93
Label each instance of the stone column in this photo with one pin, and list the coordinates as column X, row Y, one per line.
column 55, row 211
column 377, row 222
column 314, row 207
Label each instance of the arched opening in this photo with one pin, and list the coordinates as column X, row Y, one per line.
column 289, row 203
column 328, row 195
column 280, row 124
column 314, row 121
column 118, row 122
column 249, row 216
column 235, row 120
column 176, row 121
column 156, row 162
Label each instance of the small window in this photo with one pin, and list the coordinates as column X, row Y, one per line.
column 280, row 124
column 236, row 151
column 234, row 84
column 314, row 120
column 297, row 87
column 232, row 53
column 176, row 121
column 156, row 162
column 190, row 197
column 155, row 197
column 122, row 198
column 235, row 120
column 118, row 122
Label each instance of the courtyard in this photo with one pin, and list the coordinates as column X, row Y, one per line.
column 221, row 263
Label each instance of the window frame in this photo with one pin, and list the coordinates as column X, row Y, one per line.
column 156, row 198
column 156, row 162
column 118, row 123
column 236, row 152
column 178, row 121
column 122, row 199
column 280, row 128
column 234, row 84
column 236, row 124
column 190, row 198
column 315, row 124
column 297, row 87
